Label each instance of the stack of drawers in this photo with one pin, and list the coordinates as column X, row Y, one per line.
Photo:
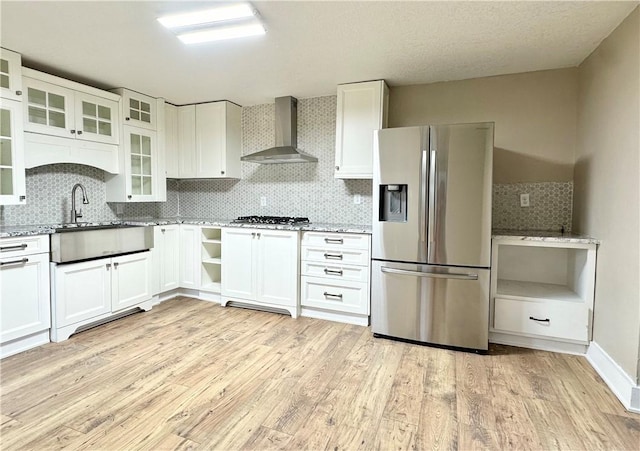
column 335, row 272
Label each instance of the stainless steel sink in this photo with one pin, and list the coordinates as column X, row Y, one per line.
column 75, row 242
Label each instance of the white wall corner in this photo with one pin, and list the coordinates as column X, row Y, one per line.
column 615, row 377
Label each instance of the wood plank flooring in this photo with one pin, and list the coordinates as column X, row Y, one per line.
column 193, row 375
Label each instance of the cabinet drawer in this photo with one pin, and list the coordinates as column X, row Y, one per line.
column 336, row 256
column 340, row 296
column 336, row 240
column 566, row 320
column 338, row 272
column 24, row 245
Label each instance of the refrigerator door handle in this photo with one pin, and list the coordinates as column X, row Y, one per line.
column 433, row 186
column 423, row 202
column 433, row 275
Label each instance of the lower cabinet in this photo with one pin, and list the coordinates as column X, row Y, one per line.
column 260, row 267
column 542, row 293
column 190, row 256
column 24, row 293
column 95, row 290
column 165, row 257
column 335, row 276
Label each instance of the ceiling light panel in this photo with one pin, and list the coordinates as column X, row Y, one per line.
column 221, row 33
column 222, row 13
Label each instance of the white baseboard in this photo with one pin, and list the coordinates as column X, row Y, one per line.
column 537, row 343
column 615, row 377
column 358, row 320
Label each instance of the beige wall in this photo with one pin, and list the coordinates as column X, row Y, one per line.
column 607, row 191
column 534, row 112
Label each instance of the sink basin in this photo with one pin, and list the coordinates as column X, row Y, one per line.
column 84, row 227
column 76, row 242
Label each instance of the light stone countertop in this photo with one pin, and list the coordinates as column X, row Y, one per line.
column 544, row 236
column 47, row 229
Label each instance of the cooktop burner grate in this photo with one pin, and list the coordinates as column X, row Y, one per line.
column 270, row 220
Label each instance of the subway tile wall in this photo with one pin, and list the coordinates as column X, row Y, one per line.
column 551, row 206
column 294, row 189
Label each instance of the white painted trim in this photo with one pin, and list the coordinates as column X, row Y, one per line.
column 543, row 344
column 615, row 377
column 24, row 343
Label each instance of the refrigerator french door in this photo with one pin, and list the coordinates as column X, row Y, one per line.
column 431, row 246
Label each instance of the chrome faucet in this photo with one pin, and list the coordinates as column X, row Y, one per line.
column 75, row 214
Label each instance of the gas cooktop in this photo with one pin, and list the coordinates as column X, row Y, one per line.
column 271, row 220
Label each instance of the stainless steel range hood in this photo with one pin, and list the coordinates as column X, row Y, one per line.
column 285, row 150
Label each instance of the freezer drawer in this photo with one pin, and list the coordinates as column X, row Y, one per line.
column 431, row 304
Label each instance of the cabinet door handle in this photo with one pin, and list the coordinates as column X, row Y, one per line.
column 23, row 197
column 222, row 172
column 337, row 168
column 331, row 295
column 22, row 261
column 332, row 256
column 334, row 240
column 79, row 132
column 127, row 118
column 253, row 234
column 258, row 235
column 18, row 93
column 19, row 247
column 546, row 320
column 73, row 132
column 108, row 266
column 115, row 265
column 337, row 272
column 129, row 196
column 163, row 230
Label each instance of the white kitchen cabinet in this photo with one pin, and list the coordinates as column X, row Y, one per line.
column 190, row 256
column 211, row 253
column 260, row 268
column 171, row 142
column 166, row 258
column 361, row 109
column 10, row 75
column 91, row 291
column 24, row 293
column 138, row 110
column 209, row 140
column 12, row 173
column 67, row 122
column 542, row 293
column 335, row 282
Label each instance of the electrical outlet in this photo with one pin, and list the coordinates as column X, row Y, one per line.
column 263, row 201
column 357, row 199
column 524, row 200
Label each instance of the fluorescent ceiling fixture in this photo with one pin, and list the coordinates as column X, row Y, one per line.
column 220, row 33
column 221, row 13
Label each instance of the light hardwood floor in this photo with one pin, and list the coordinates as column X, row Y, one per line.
column 191, row 374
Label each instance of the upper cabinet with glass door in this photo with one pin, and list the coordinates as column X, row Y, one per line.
column 10, row 75
column 138, row 110
column 12, row 176
column 59, row 107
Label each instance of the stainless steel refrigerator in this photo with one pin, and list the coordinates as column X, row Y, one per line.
column 431, row 240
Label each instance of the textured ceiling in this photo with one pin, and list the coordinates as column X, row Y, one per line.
column 309, row 48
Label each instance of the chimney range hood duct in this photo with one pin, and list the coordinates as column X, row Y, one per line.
column 286, row 150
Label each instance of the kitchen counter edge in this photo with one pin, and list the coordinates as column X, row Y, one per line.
column 47, row 229
column 543, row 236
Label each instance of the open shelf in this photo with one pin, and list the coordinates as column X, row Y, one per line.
column 211, row 241
column 213, row 234
column 213, row 261
column 522, row 290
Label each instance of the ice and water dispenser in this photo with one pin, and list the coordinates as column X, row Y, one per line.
column 393, row 203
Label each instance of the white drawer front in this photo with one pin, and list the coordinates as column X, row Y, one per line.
column 335, row 256
column 24, row 245
column 338, row 272
column 336, row 240
column 340, row 296
column 566, row 320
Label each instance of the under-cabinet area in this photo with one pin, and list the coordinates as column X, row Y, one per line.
column 542, row 293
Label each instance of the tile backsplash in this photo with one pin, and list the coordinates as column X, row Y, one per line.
column 551, row 206
column 296, row 189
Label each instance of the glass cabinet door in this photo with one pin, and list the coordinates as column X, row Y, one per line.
column 96, row 119
column 10, row 75
column 139, row 110
column 141, row 154
column 12, row 179
column 48, row 109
